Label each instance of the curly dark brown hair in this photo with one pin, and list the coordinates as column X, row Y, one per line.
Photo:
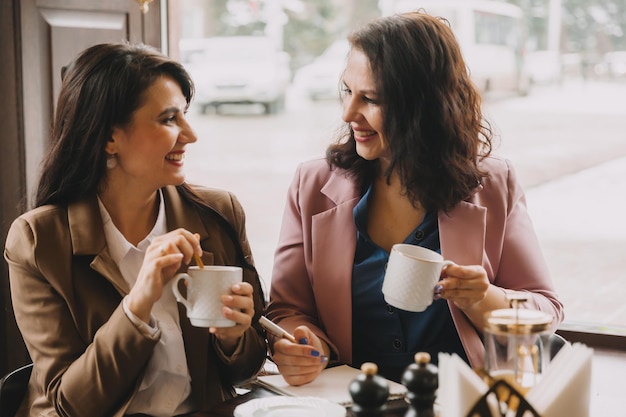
column 432, row 118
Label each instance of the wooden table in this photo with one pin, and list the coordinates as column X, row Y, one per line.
column 396, row 408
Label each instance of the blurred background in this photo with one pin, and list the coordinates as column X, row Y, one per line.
column 553, row 77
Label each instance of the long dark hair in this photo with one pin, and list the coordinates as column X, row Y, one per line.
column 432, row 118
column 101, row 89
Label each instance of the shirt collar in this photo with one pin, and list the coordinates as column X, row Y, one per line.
column 117, row 244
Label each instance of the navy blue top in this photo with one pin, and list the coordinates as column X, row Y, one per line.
column 386, row 335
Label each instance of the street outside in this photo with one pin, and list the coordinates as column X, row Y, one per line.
column 567, row 142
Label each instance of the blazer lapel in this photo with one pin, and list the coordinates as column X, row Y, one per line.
column 180, row 214
column 462, row 233
column 332, row 261
column 87, row 235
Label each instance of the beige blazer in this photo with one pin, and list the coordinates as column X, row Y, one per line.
column 312, row 275
column 88, row 357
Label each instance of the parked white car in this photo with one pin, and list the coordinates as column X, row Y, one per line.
column 237, row 70
column 320, row 79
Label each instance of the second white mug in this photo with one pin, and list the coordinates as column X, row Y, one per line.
column 411, row 275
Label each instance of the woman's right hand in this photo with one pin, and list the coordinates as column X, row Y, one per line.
column 163, row 258
column 300, row 363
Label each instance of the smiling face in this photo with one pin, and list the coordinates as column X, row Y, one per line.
column 361, row 107
column 150, row 149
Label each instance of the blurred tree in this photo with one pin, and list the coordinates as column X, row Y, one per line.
column 588, row 26
column 594, row 26
column 360, row 12
column 311, row 30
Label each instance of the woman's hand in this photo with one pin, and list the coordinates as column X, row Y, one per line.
column 301, row 363
column 463, row 285
column 468, row 287
column 238, row 307
column 163, row 258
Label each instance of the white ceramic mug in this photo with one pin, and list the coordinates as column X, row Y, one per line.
column 205, row 287
column 411, row 275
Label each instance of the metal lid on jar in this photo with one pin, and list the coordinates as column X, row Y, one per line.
column 517, row 321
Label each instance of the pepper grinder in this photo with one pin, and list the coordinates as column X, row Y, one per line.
column 369, row 392
column 421, row 380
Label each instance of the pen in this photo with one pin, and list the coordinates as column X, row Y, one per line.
column 275, row 329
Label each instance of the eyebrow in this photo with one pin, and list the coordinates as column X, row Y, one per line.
column 364, row 92
column 169, row 110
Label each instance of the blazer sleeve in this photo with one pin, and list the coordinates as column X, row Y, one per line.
column 292, row 300
column 522, row 265
column 79, row 377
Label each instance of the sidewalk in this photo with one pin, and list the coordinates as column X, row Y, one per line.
column 582, row 227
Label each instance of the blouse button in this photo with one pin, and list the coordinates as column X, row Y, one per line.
column 419, row 235
column 390, row 309
column 397, row 344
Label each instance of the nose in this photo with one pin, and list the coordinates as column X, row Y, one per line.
column 187, row 133
column 350, row 110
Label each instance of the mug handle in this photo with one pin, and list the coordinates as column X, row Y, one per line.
column 177, row 294
column 446, row 264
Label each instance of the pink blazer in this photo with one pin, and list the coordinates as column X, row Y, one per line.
column 312, row 275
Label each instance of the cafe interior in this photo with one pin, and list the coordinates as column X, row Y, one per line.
column 39, row 37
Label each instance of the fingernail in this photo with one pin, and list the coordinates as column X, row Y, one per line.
column 436, row 297
column 438, row 288
column 323, row 359
column 303, row 341
column 315, row 353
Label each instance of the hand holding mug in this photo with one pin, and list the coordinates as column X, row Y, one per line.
column 163, row 258
column 238, row 307
column 465, row 286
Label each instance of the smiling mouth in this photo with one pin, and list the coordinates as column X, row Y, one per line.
column 364, row 133
column 175, row 157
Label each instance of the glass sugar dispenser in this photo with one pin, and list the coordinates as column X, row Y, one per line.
column 516, row 344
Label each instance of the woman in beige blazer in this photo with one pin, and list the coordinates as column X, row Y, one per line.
column 90, row 266
column 412, row 166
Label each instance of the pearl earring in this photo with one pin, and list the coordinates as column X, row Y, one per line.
column 111, row 161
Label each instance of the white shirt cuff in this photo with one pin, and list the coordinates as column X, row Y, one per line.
column 148, row 329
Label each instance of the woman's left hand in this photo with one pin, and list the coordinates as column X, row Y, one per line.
column 464, row 285
column 238, row 307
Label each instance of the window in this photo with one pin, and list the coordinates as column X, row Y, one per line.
column 565, row 137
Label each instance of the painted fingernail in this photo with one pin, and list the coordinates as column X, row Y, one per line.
column 315, row 353
column 323, row 359
column 436, row 297
column 438, row 288
column 303, row 341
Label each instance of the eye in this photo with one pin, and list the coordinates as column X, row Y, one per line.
column 370, row 100
column 170, row 118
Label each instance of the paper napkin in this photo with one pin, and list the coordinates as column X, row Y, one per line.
column 564, row 389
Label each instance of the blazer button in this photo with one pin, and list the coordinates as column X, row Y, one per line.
column 419, row 235
column 397, row 344
column 390, row 309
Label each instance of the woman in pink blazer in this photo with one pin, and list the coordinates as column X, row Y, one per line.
column 413, row 165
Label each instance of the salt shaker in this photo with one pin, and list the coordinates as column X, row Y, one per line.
column 369, row 392
column 421, row 380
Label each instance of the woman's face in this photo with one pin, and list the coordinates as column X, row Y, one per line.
column 150, row 150
column 361, row 107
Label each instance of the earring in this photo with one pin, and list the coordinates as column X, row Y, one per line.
column 111, row 161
